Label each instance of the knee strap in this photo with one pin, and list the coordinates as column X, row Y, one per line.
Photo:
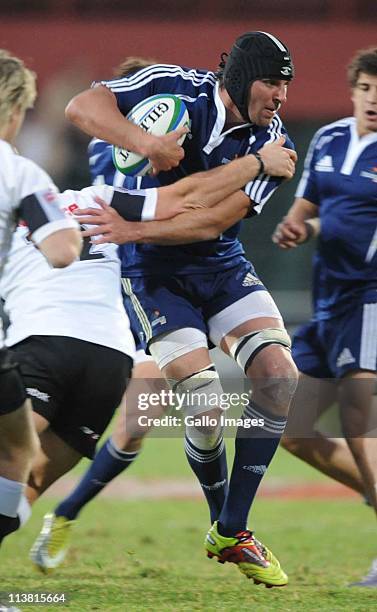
column 202, row 390
column 247, row 347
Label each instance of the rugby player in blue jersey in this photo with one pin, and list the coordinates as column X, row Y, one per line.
column 338, row 189
column 208, row 290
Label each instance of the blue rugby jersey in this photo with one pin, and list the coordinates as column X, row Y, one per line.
column 340, row 177
column 205, row 147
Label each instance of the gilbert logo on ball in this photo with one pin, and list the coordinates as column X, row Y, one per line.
column 156, row 115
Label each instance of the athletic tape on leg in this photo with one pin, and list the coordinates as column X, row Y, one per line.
column 247, row 347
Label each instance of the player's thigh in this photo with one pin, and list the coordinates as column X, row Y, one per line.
column 17, row 432
column 42, row 371
column 240, row 304
column 12, row 390
column 91, row 403
column 312, row 398
column 159, row 305
column 147, row 380
column 356, row 400
column 54, row 459
column 350, row 339
column 253, row 320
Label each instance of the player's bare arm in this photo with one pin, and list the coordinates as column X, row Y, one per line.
column 62, row 247
column 202, row 190
column 192, row 226
column 300, row 224
column 95, row 112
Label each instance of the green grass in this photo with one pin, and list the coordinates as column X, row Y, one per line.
column 148, row 555
column 136, row 556
column 165, row 458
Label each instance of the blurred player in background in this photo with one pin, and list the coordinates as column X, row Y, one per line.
column 70, row 334
column 208, row 290
column 27, row 193
column 339, row 188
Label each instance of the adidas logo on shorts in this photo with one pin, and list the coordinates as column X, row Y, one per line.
column 345, row 358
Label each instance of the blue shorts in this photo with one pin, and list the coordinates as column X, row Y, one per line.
column 334, row 347
column 160, row 304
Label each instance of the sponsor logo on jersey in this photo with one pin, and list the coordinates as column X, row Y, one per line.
column 344, row 358
column 256, row 469
column 325, row 164
column 250, row 280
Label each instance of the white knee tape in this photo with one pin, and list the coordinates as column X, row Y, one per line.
column 200, row 392
column 167, row 347
column 246, row 347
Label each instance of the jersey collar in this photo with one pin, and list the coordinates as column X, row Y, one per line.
column 217, row 134
column 355, row 148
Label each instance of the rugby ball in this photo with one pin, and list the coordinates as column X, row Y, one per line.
column 157, row 115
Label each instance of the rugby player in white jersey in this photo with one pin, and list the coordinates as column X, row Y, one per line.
column 68, row 329
column 27, row 193
column 339, row 345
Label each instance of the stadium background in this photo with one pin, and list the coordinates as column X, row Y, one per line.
column 69, row 43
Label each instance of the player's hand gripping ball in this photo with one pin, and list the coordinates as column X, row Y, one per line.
column 157, row 115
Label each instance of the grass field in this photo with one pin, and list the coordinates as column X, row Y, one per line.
column 148, row 555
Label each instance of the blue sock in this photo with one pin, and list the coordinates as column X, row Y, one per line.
column 254, row 450
column 107, row 464
column 211, row 469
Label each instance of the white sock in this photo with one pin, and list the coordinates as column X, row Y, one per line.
column 10, row 496
column 23, row 510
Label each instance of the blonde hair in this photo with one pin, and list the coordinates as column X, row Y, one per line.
column 17, row 86
column 133, row 64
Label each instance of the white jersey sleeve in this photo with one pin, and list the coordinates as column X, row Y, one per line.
column 27, row 194
column 131, row 204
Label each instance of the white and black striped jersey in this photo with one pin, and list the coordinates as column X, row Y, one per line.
column 81, row 301
column 26, row 193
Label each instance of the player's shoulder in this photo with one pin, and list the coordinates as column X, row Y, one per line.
column 17, row 165
column 19, row 173
column 335, row 128
column 154, row 72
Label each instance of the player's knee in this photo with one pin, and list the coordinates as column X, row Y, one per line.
column 201, row 394
column 251, row 346
column 206, row 431
column 266, row 359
